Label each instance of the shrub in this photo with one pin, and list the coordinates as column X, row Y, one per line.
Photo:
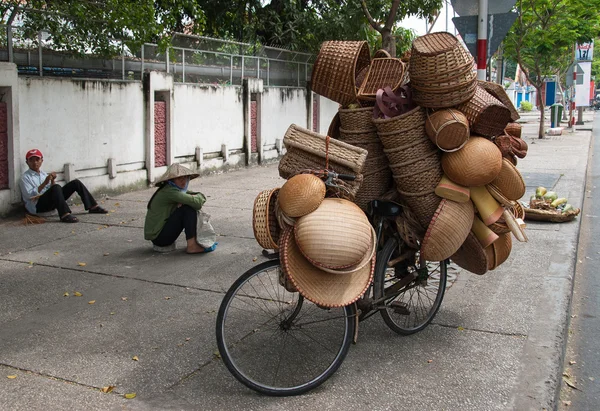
column 526, row 106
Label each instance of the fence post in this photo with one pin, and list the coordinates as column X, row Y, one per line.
column 242, row 78
column 142, row 73
column 231, row 70
column 167, row 59
column 122, row 60
column 258, row 67
column 183, row 65
column 298, row 74
column 268, row 72
column 40, row 54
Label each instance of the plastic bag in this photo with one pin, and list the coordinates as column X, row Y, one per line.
column 205, row 233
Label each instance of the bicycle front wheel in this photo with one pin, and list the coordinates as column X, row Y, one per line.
column 276, row 342
column 413, row 307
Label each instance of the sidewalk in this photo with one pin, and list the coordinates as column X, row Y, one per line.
column 496, row 343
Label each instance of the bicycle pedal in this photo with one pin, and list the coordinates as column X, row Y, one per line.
column 399, row 308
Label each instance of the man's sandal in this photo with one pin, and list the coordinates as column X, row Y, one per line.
column 97, row 210
column 69, row 218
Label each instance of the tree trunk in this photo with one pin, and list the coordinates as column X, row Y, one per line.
column 388, row 42
column 541, row 108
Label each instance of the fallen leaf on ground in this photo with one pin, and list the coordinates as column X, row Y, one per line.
column 572, row 362
column 254, row 259
column 108, row 388
column 112, row 313
column 65, row 294
column 135, row 358
column 167, row 298
column 77, row 294
column 570, row 383
column 187, row 339
column 117, row 204
column 56, row 253
column 124, row 298
column 92, row 302
column 105, row 254
column 130, row 395
column 217, row 354
column 82, row 264
column 11, row 377
column 567, row 403
column 429, row 361
column 591, row 379
column 460, row 329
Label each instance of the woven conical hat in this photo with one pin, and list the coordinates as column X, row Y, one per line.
column 318, row 286
column 174, row 171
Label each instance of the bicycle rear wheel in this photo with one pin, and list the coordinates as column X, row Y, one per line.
column 276, row 342
column 412, row 308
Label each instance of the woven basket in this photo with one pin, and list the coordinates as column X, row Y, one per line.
column 448, row 229
column 498, row 251
column 498, row 91
column 381, row 54
column 264, row 219
column 336, row 235
column 476, row 164
column 301, row 194
column 448, row 129
column 509, row 181
column 307, row 150
column 383, row 72
column 419, row 180
column 446, row 99
column 376, row 182
column 404, row 122
column 356, row 119
column 513, row 129
column 437, row 53
column 471, row 256
column 500, row 226
column 486, row 114
column 447, row 188
column 415, row 150
column 336, row 69
column 551, row 216
column 430, row 160
column 422, row 205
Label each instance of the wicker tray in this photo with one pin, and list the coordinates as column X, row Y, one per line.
column 551, row 216
column 383, row 72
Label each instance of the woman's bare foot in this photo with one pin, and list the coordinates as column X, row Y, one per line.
column 193, row 247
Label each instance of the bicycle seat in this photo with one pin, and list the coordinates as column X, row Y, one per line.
column 384, row 208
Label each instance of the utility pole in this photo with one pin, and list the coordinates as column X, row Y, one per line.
column 482, row 26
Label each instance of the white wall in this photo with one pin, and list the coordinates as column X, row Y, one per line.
column 328, row 109
column 280, row 107
column 84, row 122
column 207, row 116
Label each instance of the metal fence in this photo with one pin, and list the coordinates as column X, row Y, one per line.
column 191, row 59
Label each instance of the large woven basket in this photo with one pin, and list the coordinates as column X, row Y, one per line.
column 486, row 114
column 423, row 205
column 357, row 119
column 336, row 68
column 498, row 251
column 471, row 256
column 264, row 220
column 409, row 167
column 376, row 182
column 447, row 230
column 448, row 129
column 444, row 99
column 498, row 91
column 437, row 53
column 407, row 121
column 383, row 72
column 476, row 164
column 418, row 149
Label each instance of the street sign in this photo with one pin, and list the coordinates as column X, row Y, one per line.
column 498, row 27
column 584, row 51
column 471, row 7
column 569, row 75
column 582, row 90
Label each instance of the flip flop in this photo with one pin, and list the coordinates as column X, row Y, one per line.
column 69, row 218
column 97, row 210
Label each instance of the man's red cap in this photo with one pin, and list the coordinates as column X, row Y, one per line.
column 33, row 153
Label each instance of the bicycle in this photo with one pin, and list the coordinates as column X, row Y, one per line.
column 278, row 343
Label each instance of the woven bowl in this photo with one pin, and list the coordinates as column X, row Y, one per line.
column 264, row 220
column 509, row 181
column 447, row 230
column 487, row 115
column 471, row 256
column 301, row 194
column 476, row 164
column 336, row 69
column 336, row 235
column 498, row 91
column 498, row 252
column 448, row 129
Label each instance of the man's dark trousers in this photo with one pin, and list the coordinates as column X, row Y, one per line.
column 56, row 198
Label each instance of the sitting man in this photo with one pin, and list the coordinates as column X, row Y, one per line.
column 40, row 194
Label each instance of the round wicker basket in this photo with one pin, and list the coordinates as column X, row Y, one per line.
column 448, row 129
column 264, row 219
column 498, row 251
column 487, row 115
column 448, row 229
column 471, row 256
column 509, row 181
column 476, row 164
column 355, row 119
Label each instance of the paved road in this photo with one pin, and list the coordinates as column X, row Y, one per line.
column 497, row 342
column 582, row 361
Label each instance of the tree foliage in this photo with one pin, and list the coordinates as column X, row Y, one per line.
column 543, row 37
